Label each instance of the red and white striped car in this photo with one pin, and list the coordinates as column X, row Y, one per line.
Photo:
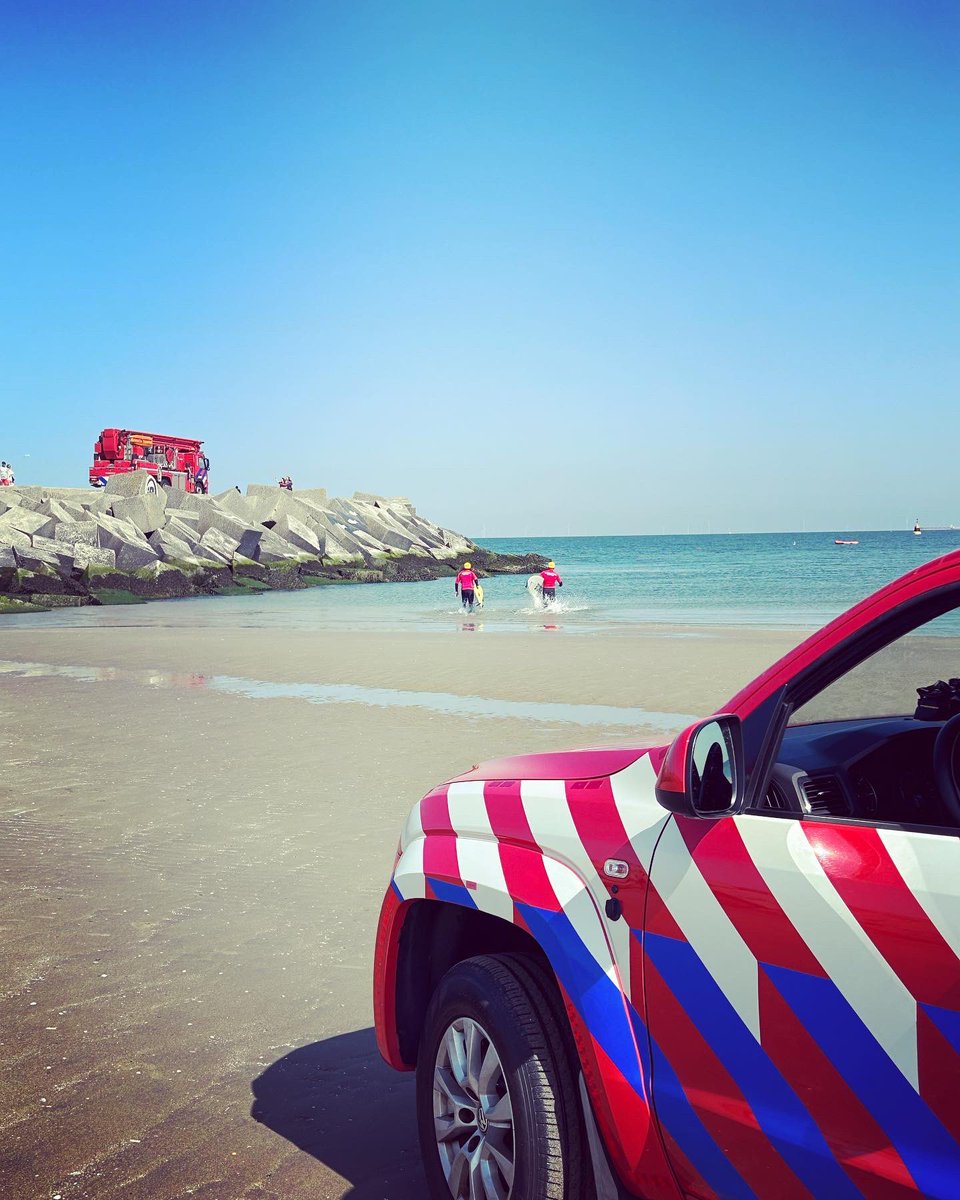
column 725, row 968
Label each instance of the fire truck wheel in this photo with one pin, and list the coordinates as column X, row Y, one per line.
column 165, row 483
column 497, row 1104
column 150, row 487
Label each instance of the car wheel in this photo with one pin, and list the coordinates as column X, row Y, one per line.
column 497, row 1103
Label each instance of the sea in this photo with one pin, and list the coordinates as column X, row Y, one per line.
column 611, row 584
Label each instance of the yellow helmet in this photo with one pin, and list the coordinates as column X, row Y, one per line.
column 466, row 566
column 551, row 565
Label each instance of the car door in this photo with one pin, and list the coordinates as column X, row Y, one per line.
column 802, row 960
column 802, row 986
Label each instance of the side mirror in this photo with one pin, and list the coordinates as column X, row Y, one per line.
column 703, row 772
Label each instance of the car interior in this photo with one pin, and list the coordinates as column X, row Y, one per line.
column 880, row 742
column 872, row 769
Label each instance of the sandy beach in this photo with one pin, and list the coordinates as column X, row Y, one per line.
column 192, row 871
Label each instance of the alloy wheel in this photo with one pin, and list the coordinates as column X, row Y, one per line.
column 472, row 1114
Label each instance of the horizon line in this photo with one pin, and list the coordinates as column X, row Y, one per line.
column 834, row 530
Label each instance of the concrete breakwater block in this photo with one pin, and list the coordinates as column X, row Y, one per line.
column 13, row 537
column 218, row 497
column 214, row 517
column 146, row 513
column 335, row 529
column 74, row 532
column 23, row 520
column 132, row 483
column 270, row 510
column 385, row 502
column 315, row 495
column 379, row 524
column 217, row 546
column 168, row 546
column 367, row 543
column 457, row 543
column 40, row 491
column 131, row 548
column 99, row 502
column 44, row 553
column 256, row 490
column 184, row 501
column 233, row 502
column 47, row 530
column 177, row 527
column 183, row 518
column 18, row 499
column 93, row 556
column 297, row 534
column 69, row 558
column 60, row 510
column 249, row 545
column 273, row 549
column 336, row 551
column 393, row 538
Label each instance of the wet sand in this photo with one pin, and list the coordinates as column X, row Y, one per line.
column 191, row 878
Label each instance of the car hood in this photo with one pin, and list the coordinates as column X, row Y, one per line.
column 562, row 764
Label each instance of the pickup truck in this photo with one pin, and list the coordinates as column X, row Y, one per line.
column 724, row 968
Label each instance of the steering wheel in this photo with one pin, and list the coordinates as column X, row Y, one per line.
column 946, row 764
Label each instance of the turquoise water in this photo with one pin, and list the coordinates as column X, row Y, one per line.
column 769, row 579
column 787, row 580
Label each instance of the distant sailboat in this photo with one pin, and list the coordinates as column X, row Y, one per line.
column 917, row 531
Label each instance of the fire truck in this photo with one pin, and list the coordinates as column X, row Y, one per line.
column 173, row 462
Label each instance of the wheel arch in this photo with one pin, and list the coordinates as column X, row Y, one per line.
column 432, row 920
column 437, row 935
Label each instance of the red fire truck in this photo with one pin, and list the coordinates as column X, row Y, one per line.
column 173, row 462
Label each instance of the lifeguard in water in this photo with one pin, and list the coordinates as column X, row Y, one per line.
column 466, row 586
column 549, row 582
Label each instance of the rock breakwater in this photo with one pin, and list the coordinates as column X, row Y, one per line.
column 129, row 541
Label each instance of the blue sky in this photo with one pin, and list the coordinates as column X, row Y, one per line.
column 543, row 267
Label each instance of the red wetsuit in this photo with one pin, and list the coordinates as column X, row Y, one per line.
column 550, row 579
column 467, row 581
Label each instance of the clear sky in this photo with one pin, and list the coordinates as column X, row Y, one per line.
column 553, row 267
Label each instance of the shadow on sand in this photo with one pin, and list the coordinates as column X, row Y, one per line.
column 338, row 1101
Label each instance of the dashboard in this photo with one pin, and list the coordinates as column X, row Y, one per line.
column 872, row 770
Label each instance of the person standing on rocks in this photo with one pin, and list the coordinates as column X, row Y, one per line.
column 6, row 475
column 465, row 586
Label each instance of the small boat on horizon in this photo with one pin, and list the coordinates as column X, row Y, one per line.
column 846, row 541
column 916, row 528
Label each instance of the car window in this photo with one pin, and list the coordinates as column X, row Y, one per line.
column 864, row 748
column 887, row 683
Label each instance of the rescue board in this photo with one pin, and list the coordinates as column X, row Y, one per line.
column 535, row 588
column 478, row 592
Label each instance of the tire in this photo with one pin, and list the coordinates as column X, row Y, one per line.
column 508, row 1005
column 165, row 484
